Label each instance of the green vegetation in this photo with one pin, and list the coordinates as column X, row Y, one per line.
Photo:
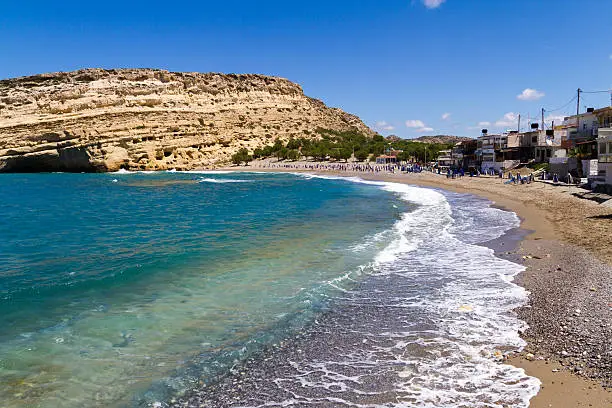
column 242, row 156
column 420, row 152
column 337, row 145
column 581, row 152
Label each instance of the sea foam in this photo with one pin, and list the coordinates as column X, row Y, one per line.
column 452, row 357
column 222, row 181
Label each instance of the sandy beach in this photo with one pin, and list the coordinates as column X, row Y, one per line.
column 568, row 255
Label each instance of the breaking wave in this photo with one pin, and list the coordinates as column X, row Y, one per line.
column 222, row 181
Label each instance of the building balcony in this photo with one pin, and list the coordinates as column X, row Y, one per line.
column 604, row 133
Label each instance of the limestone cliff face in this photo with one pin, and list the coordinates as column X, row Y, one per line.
column 145, row 119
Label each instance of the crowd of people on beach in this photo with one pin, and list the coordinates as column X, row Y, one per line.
column 345, row 167
column 394, row 168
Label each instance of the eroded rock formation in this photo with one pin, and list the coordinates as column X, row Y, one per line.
column 145, row 119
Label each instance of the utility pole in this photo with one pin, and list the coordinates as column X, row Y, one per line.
column 519, row 124
column 529, row 122
column 542, row 119
column 578, row 113
column 552, row 126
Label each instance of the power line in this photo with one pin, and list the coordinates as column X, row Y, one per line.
column 595, row 92
column 587, row 102
column 564, row 106
column 574, row 99
column 597, row 95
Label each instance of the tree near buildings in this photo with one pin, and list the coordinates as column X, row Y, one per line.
column 362, row 154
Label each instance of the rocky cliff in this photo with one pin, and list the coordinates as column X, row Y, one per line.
column 146, row 119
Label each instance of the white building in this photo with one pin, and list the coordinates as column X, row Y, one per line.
column 485, row 151
column 544, row 145
column 604, row 158
column 445, row 159
column 496, row 152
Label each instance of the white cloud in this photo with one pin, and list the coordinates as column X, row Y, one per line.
column 414, row 123
column 558, row 119
column 382, row 125
column 530, row 95
column 611, row 56
column 510, row 119
column 446, row 116
column 432, row 4
column 481, row 124
column 425, row 130
column 418, row 126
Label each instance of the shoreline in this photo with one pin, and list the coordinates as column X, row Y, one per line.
column 564, row 374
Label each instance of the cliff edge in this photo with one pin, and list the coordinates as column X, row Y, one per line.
column 97, row 120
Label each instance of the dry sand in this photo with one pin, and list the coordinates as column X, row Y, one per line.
column 573, row 238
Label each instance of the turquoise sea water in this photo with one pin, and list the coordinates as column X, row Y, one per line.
column 127, row 289
column 122, row 289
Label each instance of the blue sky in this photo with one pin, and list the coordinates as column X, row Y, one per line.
column 407, row 67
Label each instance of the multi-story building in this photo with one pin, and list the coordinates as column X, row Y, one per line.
column 604, row 116
column 501, row 152
column 582, row 127
column 486, row 147
column 510, row 149
column 445, row 159
column 604, row 146
column 604, row 158
column 541, row 145
column 464, row 154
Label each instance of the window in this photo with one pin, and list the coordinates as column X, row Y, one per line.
column 534, row 139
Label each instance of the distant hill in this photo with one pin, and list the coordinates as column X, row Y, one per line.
column 393, row 138
column 442, row 139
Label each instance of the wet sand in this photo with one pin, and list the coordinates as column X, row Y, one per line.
column 568, row 255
